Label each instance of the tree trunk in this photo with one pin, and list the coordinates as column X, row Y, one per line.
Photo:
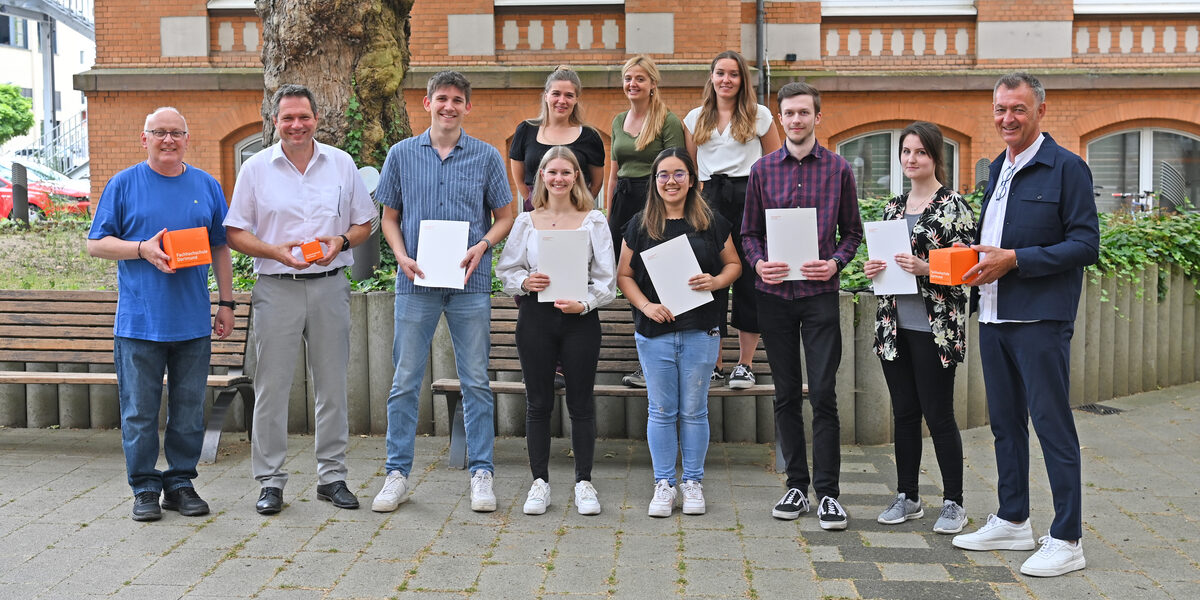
column 353, row 55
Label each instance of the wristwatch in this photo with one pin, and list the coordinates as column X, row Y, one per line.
column 231, row 304
column 840, row 265
column 345, row 242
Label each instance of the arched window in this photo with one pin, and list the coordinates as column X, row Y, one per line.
column 244, row 149
column 1136, row 161
column 876, row 161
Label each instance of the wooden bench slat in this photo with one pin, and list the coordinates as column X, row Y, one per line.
column 95, row 358
column 51, row 377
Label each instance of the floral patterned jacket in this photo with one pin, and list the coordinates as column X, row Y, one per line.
column 946, row 220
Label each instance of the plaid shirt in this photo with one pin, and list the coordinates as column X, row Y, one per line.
column 821, row 180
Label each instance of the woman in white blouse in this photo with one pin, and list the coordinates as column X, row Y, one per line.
column 726, row 134
column 554, row 331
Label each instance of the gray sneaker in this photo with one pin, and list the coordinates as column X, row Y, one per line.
column 635, row 379
column 901, row 510
column 952, row 519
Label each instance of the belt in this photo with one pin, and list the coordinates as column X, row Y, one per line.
column 304, row 276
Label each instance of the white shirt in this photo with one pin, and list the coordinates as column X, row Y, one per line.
column 992, row 229
column 277, row 203
column 520, row 258
column 724, row 155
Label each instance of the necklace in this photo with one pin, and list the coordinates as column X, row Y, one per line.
column 916, row 209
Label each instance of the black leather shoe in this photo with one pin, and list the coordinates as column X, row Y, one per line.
column 145, row 507
column 338, row 494
column 186, row 501
column 270, row 501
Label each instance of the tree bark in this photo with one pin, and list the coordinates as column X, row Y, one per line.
column 352, row 54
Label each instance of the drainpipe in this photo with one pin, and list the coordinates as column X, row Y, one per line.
column 760, row 49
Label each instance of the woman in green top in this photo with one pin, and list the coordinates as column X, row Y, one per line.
column 638, row 135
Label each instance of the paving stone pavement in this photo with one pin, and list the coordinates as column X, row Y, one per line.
column 65, row 530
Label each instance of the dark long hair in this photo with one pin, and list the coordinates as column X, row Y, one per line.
column 931, row 138
column 695, row 209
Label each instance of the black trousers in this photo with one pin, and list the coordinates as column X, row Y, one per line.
column 921, row 387
column 813, row 321
column 545, row 338
column 628, row 199
column 726, row 196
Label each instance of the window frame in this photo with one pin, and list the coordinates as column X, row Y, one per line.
column 895, row 8
column 895, row 172
column 240, row 146
column 1145, row 154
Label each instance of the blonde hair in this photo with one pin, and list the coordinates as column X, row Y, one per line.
column 695, row 209
column 561, row 73
column 657, row 116
column 745, row 108
column 581, row 198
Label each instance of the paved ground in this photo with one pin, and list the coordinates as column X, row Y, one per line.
column 65, row 530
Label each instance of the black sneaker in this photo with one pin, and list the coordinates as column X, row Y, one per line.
column 145, row 507
column 741, row 378
column 186, row 501
column 717, row 379
column 793, row 504
column 635, row 379
column 831, row 514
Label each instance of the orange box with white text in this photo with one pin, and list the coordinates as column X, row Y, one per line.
column 187, row 247
column 312, row 251
column 947, row 265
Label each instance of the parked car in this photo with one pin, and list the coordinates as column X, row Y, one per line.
column 40, row 202
column 67, row 195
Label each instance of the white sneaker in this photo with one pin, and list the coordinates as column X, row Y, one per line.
column 585, row 499
column 1055, row 557
column 664, row 499
column 393, row 493
column 693, row 497
column 997, row 534
column 538, row 498
column 482, row 497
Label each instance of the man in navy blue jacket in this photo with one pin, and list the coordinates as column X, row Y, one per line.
column 1038, row 230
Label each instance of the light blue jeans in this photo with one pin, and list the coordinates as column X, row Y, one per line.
column 677, row 367
column 140, row 365
column 469, row 318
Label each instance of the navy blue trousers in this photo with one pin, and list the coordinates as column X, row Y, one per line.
column 1026, row 369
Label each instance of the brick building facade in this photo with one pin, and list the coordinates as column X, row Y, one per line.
column 1122, row 77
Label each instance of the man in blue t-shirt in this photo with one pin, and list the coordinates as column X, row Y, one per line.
column 162, row 322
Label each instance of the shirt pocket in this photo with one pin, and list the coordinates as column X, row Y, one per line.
column 1038, row 208
column 324, row 201
column 467, row 188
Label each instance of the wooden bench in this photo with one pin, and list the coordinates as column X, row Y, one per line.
column 76, row 327
column 618, row 356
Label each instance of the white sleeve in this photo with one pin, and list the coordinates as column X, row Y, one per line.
column 690, row 120
column 602, row 271
column 242, row 212
column 512, row 268
column 763, row 120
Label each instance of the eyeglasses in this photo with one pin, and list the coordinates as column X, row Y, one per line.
column 679, row 175
column 160, row 134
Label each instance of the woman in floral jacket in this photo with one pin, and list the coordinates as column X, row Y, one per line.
column 920, row 338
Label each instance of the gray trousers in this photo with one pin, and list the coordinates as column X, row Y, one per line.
column 287, row 312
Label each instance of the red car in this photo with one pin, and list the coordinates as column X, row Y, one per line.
column 40, row 202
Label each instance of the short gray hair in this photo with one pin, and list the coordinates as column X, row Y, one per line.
column 453, row 79
column 1015, row 79
column 292, row 90
column 161, row 109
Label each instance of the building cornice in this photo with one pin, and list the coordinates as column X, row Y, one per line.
column 169, row 78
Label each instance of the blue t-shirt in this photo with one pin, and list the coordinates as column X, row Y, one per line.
column 138, row 203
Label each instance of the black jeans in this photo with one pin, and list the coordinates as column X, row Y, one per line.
column 628, row 199
column 726, row 196
column 545, row 338
column 813, row 321
column 920, row 386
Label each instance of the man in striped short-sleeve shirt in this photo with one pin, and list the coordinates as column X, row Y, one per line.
column 442, row 174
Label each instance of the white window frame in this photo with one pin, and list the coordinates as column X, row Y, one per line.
column 1145, row 153
column 896, row 172
column 895, row 8
column 555, row 3
column 1117, row 7
column 230, row 4
column 239, row 147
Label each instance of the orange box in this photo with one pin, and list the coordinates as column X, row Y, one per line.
column 947, row 265
column 312, row 251
column 187, row 247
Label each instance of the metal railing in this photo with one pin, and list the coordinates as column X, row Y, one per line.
column 68, row 148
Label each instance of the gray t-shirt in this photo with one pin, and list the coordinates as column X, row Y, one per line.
column 910, row 308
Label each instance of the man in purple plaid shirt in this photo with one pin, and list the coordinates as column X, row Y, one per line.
column 803, row 174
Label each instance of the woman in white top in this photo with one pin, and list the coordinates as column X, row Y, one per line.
column 727, row 133
column 559, row 331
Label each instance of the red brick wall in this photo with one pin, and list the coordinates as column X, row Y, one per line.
column 1025, row 10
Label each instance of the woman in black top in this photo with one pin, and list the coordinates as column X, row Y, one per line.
column 677, row 352
column 559, row 124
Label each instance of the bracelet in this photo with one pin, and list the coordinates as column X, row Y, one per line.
column 139, row 248
column 643, row 307
column 488, row 243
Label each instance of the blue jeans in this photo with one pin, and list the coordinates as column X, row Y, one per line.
column 140, row 365
column 469, row 318
column 677, row 367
